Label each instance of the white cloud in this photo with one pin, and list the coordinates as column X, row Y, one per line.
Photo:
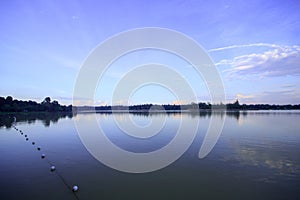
column 281, row 96
column 101, row 103
column 242, row 96
column 179, row 102
column 245, row 45
column 291, row 96
column 278, row 61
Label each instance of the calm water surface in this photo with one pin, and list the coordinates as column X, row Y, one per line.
column 256, row 157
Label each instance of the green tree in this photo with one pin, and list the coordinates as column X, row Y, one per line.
column 47, row 100
column 9, row 99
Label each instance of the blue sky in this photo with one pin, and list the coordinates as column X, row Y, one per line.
column 254, row 44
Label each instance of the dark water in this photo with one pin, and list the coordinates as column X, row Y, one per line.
column 256, row 157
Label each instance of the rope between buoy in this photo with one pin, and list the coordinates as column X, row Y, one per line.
column 61, row 178
column 49, row 162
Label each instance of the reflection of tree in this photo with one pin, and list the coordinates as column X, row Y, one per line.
column 46, row 122
column 235, row 114
column 7, row 120
column 202, row 113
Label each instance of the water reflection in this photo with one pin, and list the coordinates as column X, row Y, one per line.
column 6, row 120
column 256, row 157
column 202, row 113
column 278, row 158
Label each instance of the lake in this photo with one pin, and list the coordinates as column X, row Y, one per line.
column 255, row 157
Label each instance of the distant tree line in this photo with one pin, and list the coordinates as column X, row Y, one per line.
column 9, row 104
column 236, row 106
column 202, row 106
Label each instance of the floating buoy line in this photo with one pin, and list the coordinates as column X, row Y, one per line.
column 52, row 168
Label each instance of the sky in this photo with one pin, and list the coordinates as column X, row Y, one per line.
column 255, row 46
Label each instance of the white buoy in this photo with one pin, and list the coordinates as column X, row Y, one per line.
column 33, row 143
column 75, row 188
column 27, row 139
column 43, row 156
column 39, row 148
column 52, row 168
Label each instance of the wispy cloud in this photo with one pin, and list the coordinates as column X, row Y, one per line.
column 101, row 103
column 278, row 61
column 288, row 86
column 178, row 102
column 245, row 45
column 242, row 96
column 281, row 96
